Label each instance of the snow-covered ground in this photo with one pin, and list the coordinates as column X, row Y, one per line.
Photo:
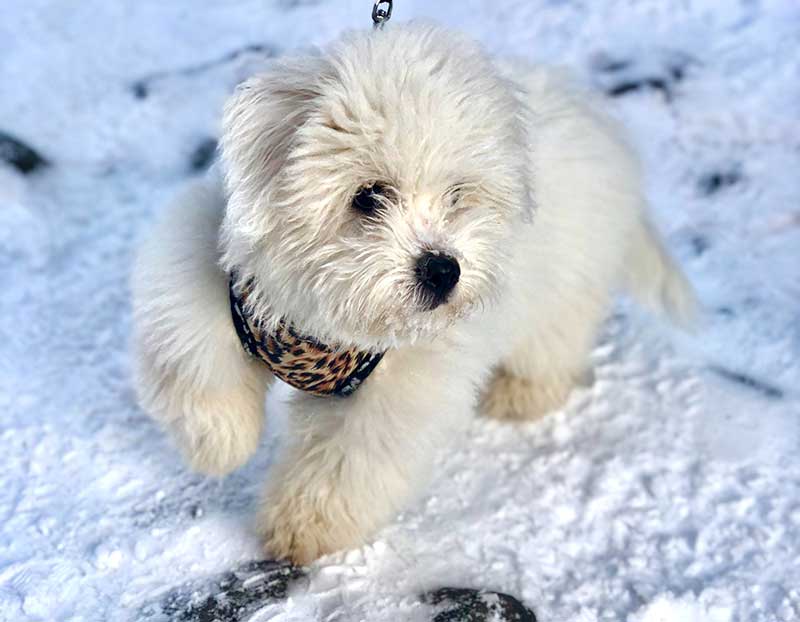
column 668, row 491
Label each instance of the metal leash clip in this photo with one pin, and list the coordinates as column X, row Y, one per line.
column 381, row 13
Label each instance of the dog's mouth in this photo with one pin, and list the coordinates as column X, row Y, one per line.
column 430, row 302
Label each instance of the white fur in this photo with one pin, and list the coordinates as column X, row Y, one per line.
column 504, row 166
column 192, row 374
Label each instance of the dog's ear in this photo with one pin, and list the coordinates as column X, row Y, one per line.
column 261, row 119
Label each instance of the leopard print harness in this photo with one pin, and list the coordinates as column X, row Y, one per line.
column 299, row 360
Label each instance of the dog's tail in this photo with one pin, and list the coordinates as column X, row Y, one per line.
column 656, row 281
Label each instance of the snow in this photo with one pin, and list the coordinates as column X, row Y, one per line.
column 668, row 491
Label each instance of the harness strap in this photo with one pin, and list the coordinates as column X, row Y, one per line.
column 299, row 360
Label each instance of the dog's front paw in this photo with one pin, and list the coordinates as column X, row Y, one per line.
column 513, row 398
column 218, row 432
column 302, row 529
column 298, row 542
column 302, row 525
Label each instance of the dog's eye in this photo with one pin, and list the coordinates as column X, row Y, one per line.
column 368, row 198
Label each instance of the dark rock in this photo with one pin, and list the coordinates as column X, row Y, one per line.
column 203, row 155
column 140, row 90
column 19, row 155
column 657, row 84
column 654, row 70
column 471, row 605
column 725, row 312
column 677, row 71
column 230, row 597
column 759, row 386
column 699, row 244
column 715, row 181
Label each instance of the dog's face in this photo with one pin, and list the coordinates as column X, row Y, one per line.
column 371, row 189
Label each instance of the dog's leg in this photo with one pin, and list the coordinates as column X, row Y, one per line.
column 354, row 462
column 547, row 363
column 192, row 373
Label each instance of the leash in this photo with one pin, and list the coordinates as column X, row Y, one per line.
column 381, row 13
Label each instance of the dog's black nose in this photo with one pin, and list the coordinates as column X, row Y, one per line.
column 438, row 274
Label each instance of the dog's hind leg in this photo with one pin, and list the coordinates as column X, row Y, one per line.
column 546, row 361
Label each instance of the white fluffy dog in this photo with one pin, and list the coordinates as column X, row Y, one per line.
column 401, row 192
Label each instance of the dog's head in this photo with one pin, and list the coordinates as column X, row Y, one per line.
column 372, row 187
